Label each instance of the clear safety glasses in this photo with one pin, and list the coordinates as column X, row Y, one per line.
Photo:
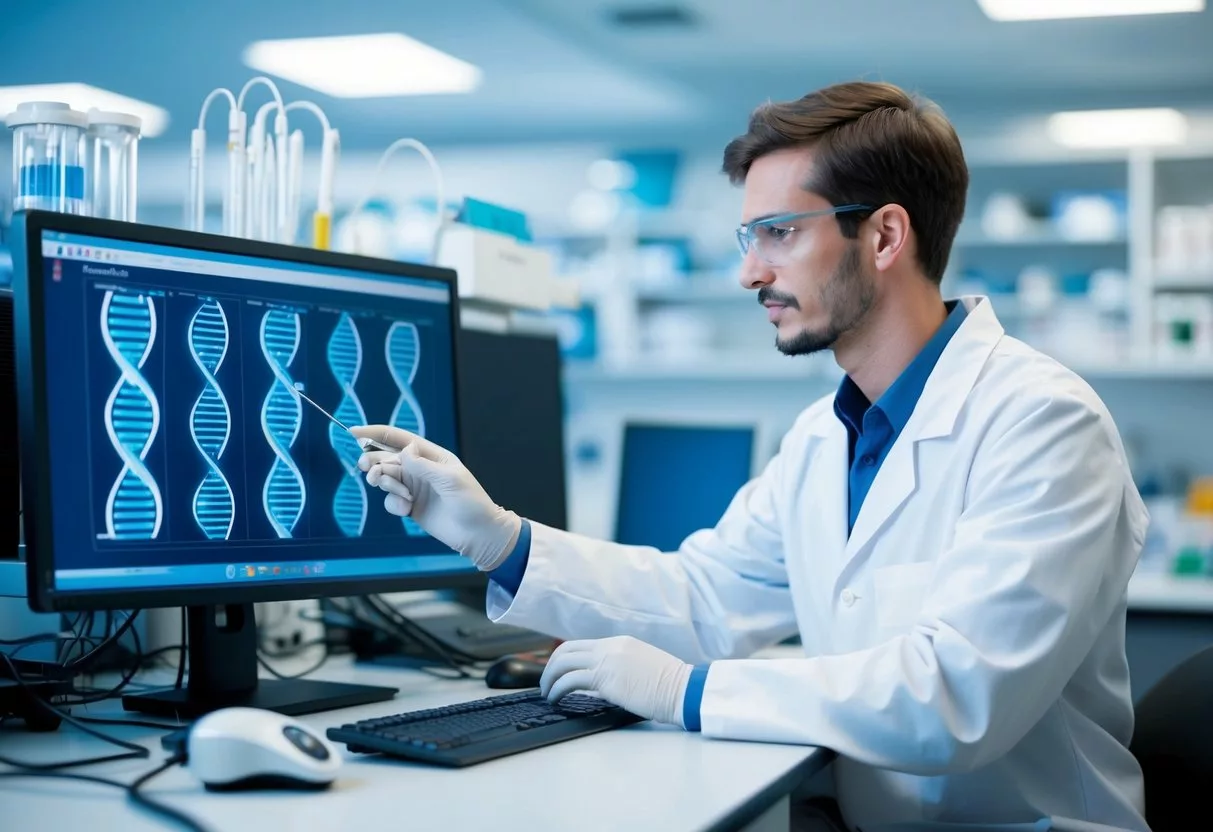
column 774, row 238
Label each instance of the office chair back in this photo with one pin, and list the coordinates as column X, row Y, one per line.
column 1173, row 742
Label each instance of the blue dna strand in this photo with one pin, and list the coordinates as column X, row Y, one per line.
column 134, row 508
column 403, row 350
column 345, row 361
column 284, row 493
column 211, row 422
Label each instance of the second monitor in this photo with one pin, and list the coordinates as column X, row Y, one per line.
column 678, row 478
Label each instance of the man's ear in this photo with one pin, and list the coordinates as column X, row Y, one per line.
column 891, row 232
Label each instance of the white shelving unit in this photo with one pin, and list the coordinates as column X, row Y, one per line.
column 718, row 295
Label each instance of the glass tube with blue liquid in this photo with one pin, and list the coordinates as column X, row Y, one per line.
column 50, row 156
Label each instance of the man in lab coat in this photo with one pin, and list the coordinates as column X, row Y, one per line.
column 951, row 534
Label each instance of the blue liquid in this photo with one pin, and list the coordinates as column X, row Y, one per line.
column 45, row 181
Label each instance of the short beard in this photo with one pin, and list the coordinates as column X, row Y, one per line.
column 847, row 298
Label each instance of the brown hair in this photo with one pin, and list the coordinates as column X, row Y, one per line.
column 875, row 145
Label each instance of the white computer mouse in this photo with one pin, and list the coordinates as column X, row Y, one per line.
column 249, row 748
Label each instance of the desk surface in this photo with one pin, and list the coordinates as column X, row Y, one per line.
column 642, row 777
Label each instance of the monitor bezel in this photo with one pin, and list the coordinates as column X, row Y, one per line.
column 30, row 341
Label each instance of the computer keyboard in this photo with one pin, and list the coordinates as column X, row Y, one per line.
column 485, row 729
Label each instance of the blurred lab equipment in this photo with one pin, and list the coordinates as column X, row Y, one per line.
column 1185, row 242
column 1005, row 217
column 1090, row 216
column 376, row 189
column 114, row 184
column 1183, row 325
column 263, row 198
column 677, row 335
column 49, row 157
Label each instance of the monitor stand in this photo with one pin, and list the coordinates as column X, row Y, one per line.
column 223, row 673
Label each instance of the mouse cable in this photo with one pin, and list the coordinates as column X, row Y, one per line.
column 133, row 790
column 137, row 796
column 132, row 752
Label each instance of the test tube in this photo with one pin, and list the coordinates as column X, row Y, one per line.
column 114, row 183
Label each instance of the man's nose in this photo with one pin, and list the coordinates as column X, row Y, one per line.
column 755, row 272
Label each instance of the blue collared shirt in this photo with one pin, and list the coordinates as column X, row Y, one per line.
column 873, row 428
column 871, row 431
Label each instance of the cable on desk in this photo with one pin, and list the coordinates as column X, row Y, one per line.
column 181, row 655
column 127, row 676
column 404, row 627
column 133, row 723
column 83, row 662
column 133, row 751
column 137, row 796
column 41, row 638
column 133, row 790
column 261, row 660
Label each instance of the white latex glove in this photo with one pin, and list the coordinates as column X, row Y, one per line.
column 622, row 670
column 429, row 484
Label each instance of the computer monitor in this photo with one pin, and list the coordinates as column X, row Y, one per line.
column 10, row 484
column 165, row 460
column 675, row 479
column 512, row 417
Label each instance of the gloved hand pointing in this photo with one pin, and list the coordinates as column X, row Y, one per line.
column 429, row 484
column 622, row 670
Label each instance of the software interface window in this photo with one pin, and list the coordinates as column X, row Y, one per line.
column 171, row 391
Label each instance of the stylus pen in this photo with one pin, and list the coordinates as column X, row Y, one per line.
column 366, row 443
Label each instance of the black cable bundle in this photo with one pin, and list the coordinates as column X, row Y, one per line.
column 133, row 751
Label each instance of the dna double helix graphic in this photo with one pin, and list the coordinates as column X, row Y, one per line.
column 283, row 493
column 211, row 421
column 402, row 347
column 134, row 508
column 345, row 362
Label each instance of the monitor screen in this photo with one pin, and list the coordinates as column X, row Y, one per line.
column 516, row 453
column 677, row 479
column 179, row 457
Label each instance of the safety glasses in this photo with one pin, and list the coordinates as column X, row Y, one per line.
column 773, row 238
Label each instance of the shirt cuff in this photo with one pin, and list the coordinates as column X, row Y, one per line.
column 692, row 700
column 509, row 574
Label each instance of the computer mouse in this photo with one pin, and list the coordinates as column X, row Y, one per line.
column 235, row 749
column 514, row 672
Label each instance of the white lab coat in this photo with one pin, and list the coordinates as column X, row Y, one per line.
column 964, row 647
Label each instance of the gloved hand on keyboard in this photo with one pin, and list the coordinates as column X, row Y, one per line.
column 429, row 484
column 622, row 670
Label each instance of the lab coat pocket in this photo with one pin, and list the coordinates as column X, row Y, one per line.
column 900, row 592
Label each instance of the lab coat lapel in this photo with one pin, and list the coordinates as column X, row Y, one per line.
column 934, row 417
column 826, row 503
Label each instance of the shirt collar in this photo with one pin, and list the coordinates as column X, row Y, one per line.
column 899, row 400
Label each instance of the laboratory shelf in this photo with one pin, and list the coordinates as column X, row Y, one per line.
column 742, row 368
column 766, row 367
column 1195, row 281
column 1164, row 592
column 1038, row 240
column 726, row 290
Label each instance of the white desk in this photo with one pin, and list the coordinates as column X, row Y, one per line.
column 1162, row 592
column 637, row 778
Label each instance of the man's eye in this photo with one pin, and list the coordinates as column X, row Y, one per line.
column 776, row 233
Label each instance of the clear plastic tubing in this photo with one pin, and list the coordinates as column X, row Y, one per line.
column 50, row 157
column 114, row 184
